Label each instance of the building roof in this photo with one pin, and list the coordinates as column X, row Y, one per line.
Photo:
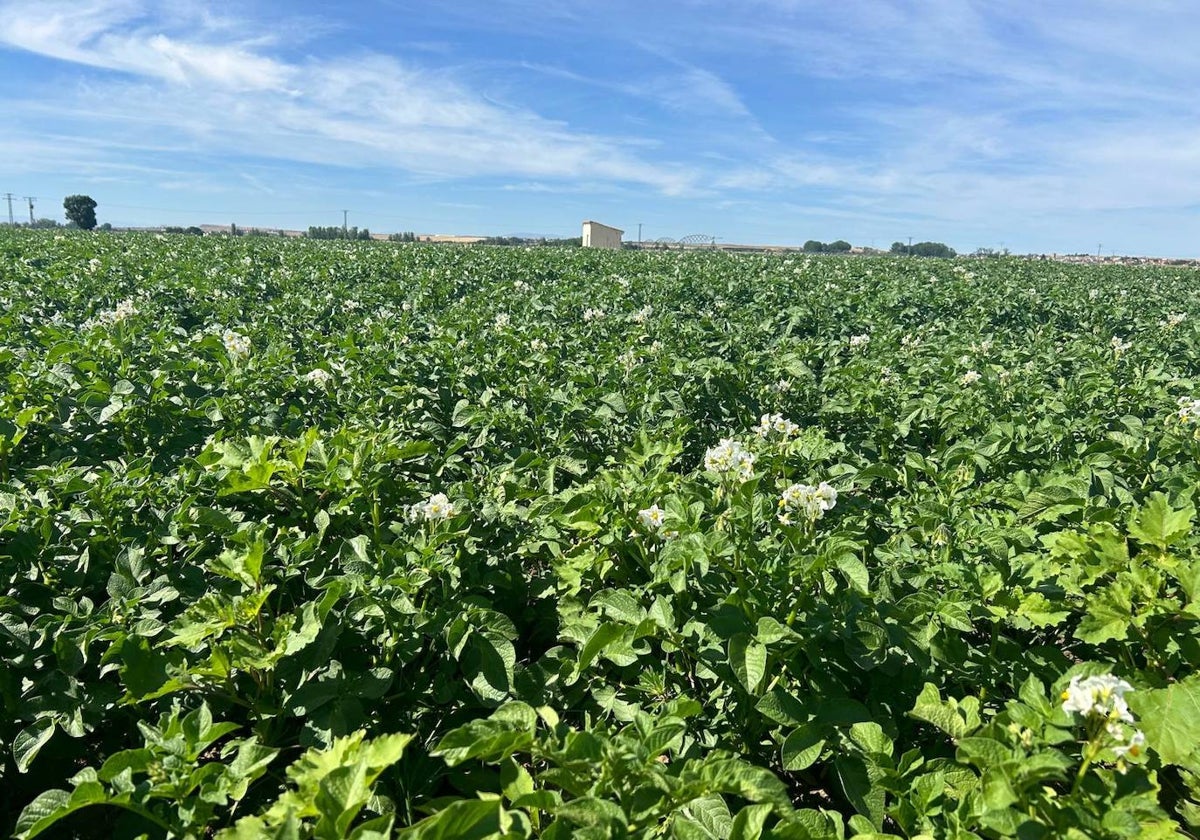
column 601, row 224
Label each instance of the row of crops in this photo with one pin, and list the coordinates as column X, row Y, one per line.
column 308, row 539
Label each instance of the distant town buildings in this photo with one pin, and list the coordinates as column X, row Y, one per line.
column 596, row 235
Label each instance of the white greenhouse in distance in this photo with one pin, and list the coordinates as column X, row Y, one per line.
column 596, row 235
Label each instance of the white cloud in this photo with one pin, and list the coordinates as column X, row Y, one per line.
column 366, row 110
column 967, row 115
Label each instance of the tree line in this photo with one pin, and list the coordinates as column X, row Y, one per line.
column 840, row 246
column 924, row 249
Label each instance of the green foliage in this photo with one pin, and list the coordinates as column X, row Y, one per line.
column 334, row 232
column 923, row 249
column 267, row 502
column 839, row 246
column 80, row 210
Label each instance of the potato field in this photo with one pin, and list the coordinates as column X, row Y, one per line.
column 307, row 539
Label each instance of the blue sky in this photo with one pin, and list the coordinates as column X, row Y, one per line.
column 1040, row 127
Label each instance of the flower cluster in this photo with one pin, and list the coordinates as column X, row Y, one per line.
column 1174, row 320
column 235, row 343
column 435, row 508
column 811, row 502
column 970, row 377
column 729, row 459
column 1189, row 410
column 858, row 342
column 591, row 314
column 1102, row 699
column 652, row 518
column 537, row 345
column 642, row 314
column 1103, row 696
column 1119, row 346
column 124, row 310
column 318, row 376
column 502, row 320
column 776, row 424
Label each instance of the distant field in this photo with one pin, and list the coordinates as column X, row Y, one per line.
column 328, row 539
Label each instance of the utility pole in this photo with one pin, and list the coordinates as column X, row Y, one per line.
column 639, row 233
column 1098, row 247
column 910, row 246
column 9, row 196
column 345, row 214
column 31, row 199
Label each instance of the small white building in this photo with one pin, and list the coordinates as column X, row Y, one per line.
column 596, row 235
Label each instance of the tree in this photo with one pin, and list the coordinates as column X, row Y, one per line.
column 81, row 209
column 840, row 246
column 812, row 246
column 933, row 249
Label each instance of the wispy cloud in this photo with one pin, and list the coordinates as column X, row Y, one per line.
column 966, row 117
column 365, row 109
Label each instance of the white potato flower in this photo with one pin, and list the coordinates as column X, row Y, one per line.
column 776, row 424
column 812, row 502
column 1103, row 695
column 859, row 341
column 970, row 377
column 652, row 518
column 591, row 314
column 537, row 345
column 1189, row 410
column 1119, row 346
column 436, row 507
column 235, row 343
column 729, row 459
column 318, row 376
column 1137, row 742
column 1174, row 320
column 502, row 320
column 124, row 310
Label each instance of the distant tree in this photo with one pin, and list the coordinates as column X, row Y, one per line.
column 336, row 232
column 812, row 246
column 405, row 236
column 840, row 246
column 194, row 231
column 933, row 249
column 45, row 224
column 899, row 248
column 81, row 209
column 106, row 227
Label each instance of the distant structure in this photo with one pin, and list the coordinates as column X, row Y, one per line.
column 596, row 235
